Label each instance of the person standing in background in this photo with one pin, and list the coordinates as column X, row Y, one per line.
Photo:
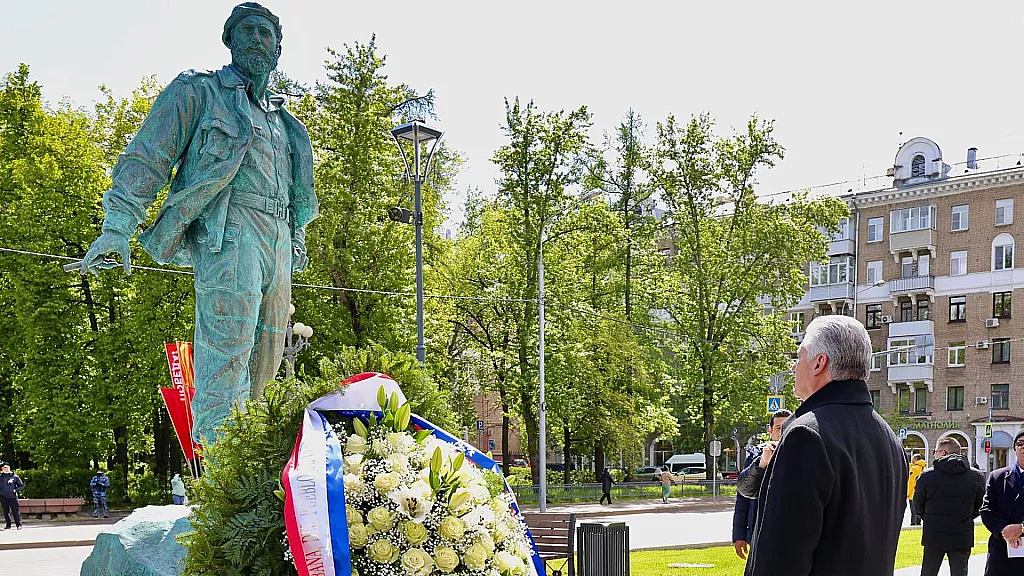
column 917, row 466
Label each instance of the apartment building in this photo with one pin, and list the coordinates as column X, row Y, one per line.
column 928, row 264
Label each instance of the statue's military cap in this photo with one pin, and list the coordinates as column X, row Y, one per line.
column 248, row 9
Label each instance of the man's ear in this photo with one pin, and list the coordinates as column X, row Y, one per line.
column 820, row 364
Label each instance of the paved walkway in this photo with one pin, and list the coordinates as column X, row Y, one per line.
column 623, row 507
column 975, row 567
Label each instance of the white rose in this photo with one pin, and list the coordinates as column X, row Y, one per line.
column 399, row 463
column 353, row 483
column 353, row 464
column 417, row 562
column 400, row 441
column 353, row 516
column 355, row 444
column 385, row 483
column 509, row 564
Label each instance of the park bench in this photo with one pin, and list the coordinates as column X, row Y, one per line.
column 553, row 533
column 51, row 506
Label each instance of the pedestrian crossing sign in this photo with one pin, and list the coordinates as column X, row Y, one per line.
column 988, row 430
column 774, row 404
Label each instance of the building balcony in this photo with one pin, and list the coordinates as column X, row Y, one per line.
column 912, row 285
column 841, row 248
column 827, row 292
column 912, row 373
column 912, row 240
column 911, row 329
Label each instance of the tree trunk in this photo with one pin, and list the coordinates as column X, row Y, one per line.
column 567, row 453
column 121, row 458
column 598, row 461
column 161, row 451
column 506, row 460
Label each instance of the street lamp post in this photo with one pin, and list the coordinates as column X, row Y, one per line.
column 543, row 407
column 296, row 338
column 417, row 133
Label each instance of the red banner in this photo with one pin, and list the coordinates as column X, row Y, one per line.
column 179, row 398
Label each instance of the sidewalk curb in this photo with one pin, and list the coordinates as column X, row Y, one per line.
column 47, row 544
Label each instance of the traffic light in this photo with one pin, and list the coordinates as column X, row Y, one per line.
column 988, row 446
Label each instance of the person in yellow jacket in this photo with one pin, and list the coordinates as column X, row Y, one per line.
column 917, row 465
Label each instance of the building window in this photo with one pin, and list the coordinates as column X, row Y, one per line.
column 958, row 263
column 837, row 271
column 1004, row 211
column 877, row 357
column 876, row 398
column 922, row 309
column 958, row 308
column 844, row 230
column 875, row 226
column 796, row 321
column 924, row 265
column 908, row 219
column 959, row 217
column 1000, row 397
column 1002, row 252
column 917, row 166
column 906, row 311
column 955, row 398
column 957, row 354
column 904, row 352
column 1000, row 350
column 920, row 399
column 874, row 316
column 874, row 272
column 1001, row 304
column 903, row 400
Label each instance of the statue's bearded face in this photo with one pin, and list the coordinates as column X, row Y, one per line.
column 254, row 46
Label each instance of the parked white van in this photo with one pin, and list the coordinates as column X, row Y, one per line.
column 686, row 467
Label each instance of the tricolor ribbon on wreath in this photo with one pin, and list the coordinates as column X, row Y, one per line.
column 314, row 486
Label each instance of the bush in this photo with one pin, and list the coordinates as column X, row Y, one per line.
column 518, row 475
column 44, row 483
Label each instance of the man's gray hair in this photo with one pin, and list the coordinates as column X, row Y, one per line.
column 846, row 343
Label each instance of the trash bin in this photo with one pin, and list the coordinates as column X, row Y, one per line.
column 603, row 549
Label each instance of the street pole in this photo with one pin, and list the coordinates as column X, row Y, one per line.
column 543, row 456
column 421, row 349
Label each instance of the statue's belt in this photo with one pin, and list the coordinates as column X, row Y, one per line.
column 273, row 206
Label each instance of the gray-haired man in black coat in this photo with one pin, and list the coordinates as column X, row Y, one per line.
column 834, row 494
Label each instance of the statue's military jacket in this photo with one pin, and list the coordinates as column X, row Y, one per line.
column 200, row 126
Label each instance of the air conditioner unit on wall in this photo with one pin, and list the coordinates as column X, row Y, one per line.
column 981, row 344
column 991, row 322
column 886, row 319
column 981, row 399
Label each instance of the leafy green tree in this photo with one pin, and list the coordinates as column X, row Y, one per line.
column 738, row 263
column 358, row 176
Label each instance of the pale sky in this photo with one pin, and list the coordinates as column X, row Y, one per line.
column 841, row 81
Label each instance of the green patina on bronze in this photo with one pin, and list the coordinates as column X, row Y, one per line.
column 236, row 213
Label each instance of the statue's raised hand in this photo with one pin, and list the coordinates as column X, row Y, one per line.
column 108, row 242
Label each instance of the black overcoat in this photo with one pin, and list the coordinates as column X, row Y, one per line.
column 1003, row 505
column 834, row 494
column 948, row 497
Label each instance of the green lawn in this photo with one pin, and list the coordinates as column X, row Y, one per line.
column 655, row 562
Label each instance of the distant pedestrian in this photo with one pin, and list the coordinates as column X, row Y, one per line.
column 917, row 465
column 177, row 489
column 948, row 497
column 1003, row 513
column 744, row 516
column 834, row 494
column 99, row 484
column 10, row 486
column 606, row 485
column 666, row 483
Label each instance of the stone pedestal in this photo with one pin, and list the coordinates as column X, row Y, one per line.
column 143, row 544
